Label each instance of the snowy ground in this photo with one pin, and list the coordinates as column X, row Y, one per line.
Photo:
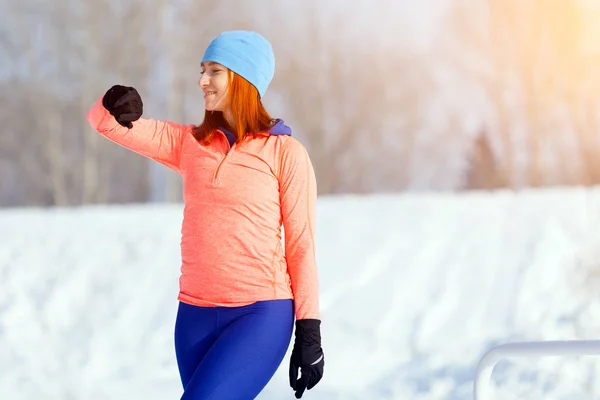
column 415, row 288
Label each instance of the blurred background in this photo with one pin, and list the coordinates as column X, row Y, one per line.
column 388, row 96
column 457, row 150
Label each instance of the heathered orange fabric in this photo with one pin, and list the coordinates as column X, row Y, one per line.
column 236, row 201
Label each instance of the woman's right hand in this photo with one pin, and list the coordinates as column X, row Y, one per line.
column 124, row 103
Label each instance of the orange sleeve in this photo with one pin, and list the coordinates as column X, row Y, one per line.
column 298, row 196
column 158, row 140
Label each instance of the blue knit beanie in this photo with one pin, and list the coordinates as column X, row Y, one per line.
column 246, row 53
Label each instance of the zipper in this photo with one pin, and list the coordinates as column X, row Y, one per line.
column 216, row 175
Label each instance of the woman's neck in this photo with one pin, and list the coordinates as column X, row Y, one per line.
column 228, row 115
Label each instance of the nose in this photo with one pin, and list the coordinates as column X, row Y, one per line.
column 203, row 81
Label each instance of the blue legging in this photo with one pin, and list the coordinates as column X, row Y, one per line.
column 231, row 353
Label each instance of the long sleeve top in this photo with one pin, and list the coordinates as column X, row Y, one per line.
column 236, row 200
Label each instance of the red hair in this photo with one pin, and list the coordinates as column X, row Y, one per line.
column 249, row 114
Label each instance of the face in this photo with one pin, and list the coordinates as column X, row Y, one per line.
column 214, row 82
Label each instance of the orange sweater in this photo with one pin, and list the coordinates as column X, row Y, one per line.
column 236, row 201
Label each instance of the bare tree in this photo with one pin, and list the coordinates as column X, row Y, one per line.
column 484, row 169
column 356, row 106
column 527, row 58
column 121, row 59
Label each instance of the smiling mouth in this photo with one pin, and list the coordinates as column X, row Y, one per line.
column 209, row 93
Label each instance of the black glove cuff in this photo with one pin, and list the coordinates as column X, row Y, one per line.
column 308, row 332
column 308, row 325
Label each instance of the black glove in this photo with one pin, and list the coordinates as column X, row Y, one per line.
column 124, row 103
column 307, row 355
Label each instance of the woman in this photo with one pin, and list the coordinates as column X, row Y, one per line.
column 244, row 177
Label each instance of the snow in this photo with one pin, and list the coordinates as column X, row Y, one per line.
column 415, row 288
